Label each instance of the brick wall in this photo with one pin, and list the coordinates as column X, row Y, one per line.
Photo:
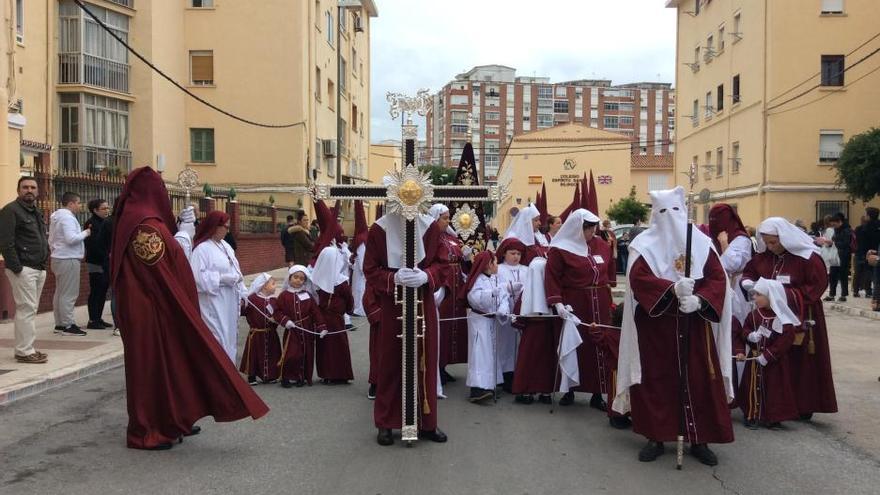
column 256, row 253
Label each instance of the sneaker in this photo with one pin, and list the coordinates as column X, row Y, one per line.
column 828, row 299
column 34, row 358
column 479, row 394
column 59, row 328
column 95, row 325
column 106, row 325
column 116, row 333
column 252, row 380
column 74, row 330
column 371, row 394
column 841, row 299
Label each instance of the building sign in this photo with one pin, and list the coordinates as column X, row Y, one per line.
column 569, row 164
column 567, row 180
column 536, row 179
column 605, row 179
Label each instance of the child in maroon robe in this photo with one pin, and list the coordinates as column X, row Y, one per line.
column 263, row 348
column 765, row 394
column 298, row 312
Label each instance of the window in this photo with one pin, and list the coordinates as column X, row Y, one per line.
column 709, row 109
column 69, row 124
column 329, row 25
column 697, row 6
column 656, row 182
column 832, row 6
column 695, row 115
column 201, row 143
column 626, row 121
column 734, row 158
column 737, row 26
column 493, row 116
column 560, row 106
column 343, row 22
column 830, row 146
column 735, row 96
column 545, row 92
column 491, row 129
column 832, row 70
column 201, row 67
column 19, row 21
column 611, row 106
column 721, row 38
column 561, row 91
column 719, row 162
column 612, row 122
column 697, row 55
column 695, row 165
column 458, row 100
column 331, row 94
column 710, row 43
column 708, row 164
column 343, row 75
column 354, row 118
column 824, row 208
column 720, row 98
column 545, row 121
column 318, row 83
column 202, row 4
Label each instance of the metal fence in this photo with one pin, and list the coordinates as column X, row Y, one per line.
column 254, row 218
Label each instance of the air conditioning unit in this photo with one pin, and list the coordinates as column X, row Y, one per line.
column 329, row 147
column 358, row 24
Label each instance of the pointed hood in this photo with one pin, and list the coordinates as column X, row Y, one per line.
column 380, row 210
column 542, row 204
column 331, row 231
column 336, row 208
column 575, row 203
column 360, row 225
column 585, row 193
column 593, row 198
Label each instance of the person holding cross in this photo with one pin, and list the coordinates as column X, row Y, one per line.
column 674, row 371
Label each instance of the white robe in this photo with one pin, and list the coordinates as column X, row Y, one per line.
column 359, row 281
column 482, row 336
column 508, row 336
column 220, row 305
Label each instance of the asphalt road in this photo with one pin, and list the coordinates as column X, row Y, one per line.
column 321, row 440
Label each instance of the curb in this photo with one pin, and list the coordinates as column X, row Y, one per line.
column 61, row 377
column 851, row 311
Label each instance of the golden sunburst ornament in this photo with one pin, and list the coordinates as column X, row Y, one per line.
column 465, row 221
column 409, row 192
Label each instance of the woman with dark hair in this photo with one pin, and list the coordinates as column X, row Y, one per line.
column 98, row 262
column 219, row 280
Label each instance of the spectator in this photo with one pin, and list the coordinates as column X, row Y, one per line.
column 314, row 230
column 98, row 262
column 287, row 241
column 862, row 274
column 553, row 225
column 610, row 238
column 800, row 224
column 872, row 233
column 67, row 250
column 841, row 239
column 815, row 230
column 301, row 240
column 25, row 250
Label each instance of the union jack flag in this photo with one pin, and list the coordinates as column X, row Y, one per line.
column 605, row 179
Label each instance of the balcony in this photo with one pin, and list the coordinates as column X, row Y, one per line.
column 88, row 159
column 826, row 156
column 89, row 70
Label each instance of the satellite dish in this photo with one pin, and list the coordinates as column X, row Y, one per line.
column 705, row 194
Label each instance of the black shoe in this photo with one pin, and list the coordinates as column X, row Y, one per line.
column 524, row 399
column 73, row 330
column 508, row 382
column 59, row 328
column 567, row 399
column 95, row 325
column 445, row 377
column 775, row 426
column 620, row 422
column 828, row 299
column 479, row 394
column 806, row 417
column 337, row 382
column 349, row 327
column 596, row 402
column 371, row 394
column 286, row 383
column 161, row 446
column 252, row 380
column 106, row 325
column 751, row 424
column 384, row 437
column 434, row 435
column 841, row 299
column 545, row 399
column 651, row 451
column 703, row 454
column 299, row 383
column 195, row 430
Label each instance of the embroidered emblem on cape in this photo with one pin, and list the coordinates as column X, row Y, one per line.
column 679, row 265
column 148, row 245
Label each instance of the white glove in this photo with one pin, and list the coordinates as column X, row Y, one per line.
column 684, row 287
column 516, row 288
column 323, row 334
column 496, row 291
column 754, row 337
column 762, row 360
column 439, row 295
column 689, row 304
column 410, row 277
column 467, row 251
column 289, row 325
column 747, row 284
column 188, row 215
column 229, row 280
column 565, row 313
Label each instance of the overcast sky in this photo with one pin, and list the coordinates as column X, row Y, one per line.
column 424, row 44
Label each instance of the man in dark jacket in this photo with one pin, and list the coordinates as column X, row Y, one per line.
column 25, row 249
column 98, row 262
column 301, row 240
column 842, row 241
column 287, row 241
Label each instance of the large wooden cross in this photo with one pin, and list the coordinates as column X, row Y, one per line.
column 409, row 194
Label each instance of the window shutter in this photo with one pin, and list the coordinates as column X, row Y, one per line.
column 202, row 68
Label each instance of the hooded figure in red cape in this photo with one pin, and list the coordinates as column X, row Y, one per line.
column 175, row 371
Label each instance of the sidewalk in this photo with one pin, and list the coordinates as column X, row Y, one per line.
column 854, row 306
column 70, row 357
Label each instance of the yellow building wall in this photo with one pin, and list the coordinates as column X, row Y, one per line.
column 528, row 162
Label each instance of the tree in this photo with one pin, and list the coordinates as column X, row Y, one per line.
column 858, row 168
column 440, row 175
column 628, row 210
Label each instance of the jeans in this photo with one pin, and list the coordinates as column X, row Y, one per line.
column 840, row 274
column 99, row 282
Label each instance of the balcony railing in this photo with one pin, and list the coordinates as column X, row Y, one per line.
column 81, row 68
column 828, row 156
column 88, row 159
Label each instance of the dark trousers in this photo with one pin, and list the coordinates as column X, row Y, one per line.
column 840, row 274
column 863, row 275
column 98, row 285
